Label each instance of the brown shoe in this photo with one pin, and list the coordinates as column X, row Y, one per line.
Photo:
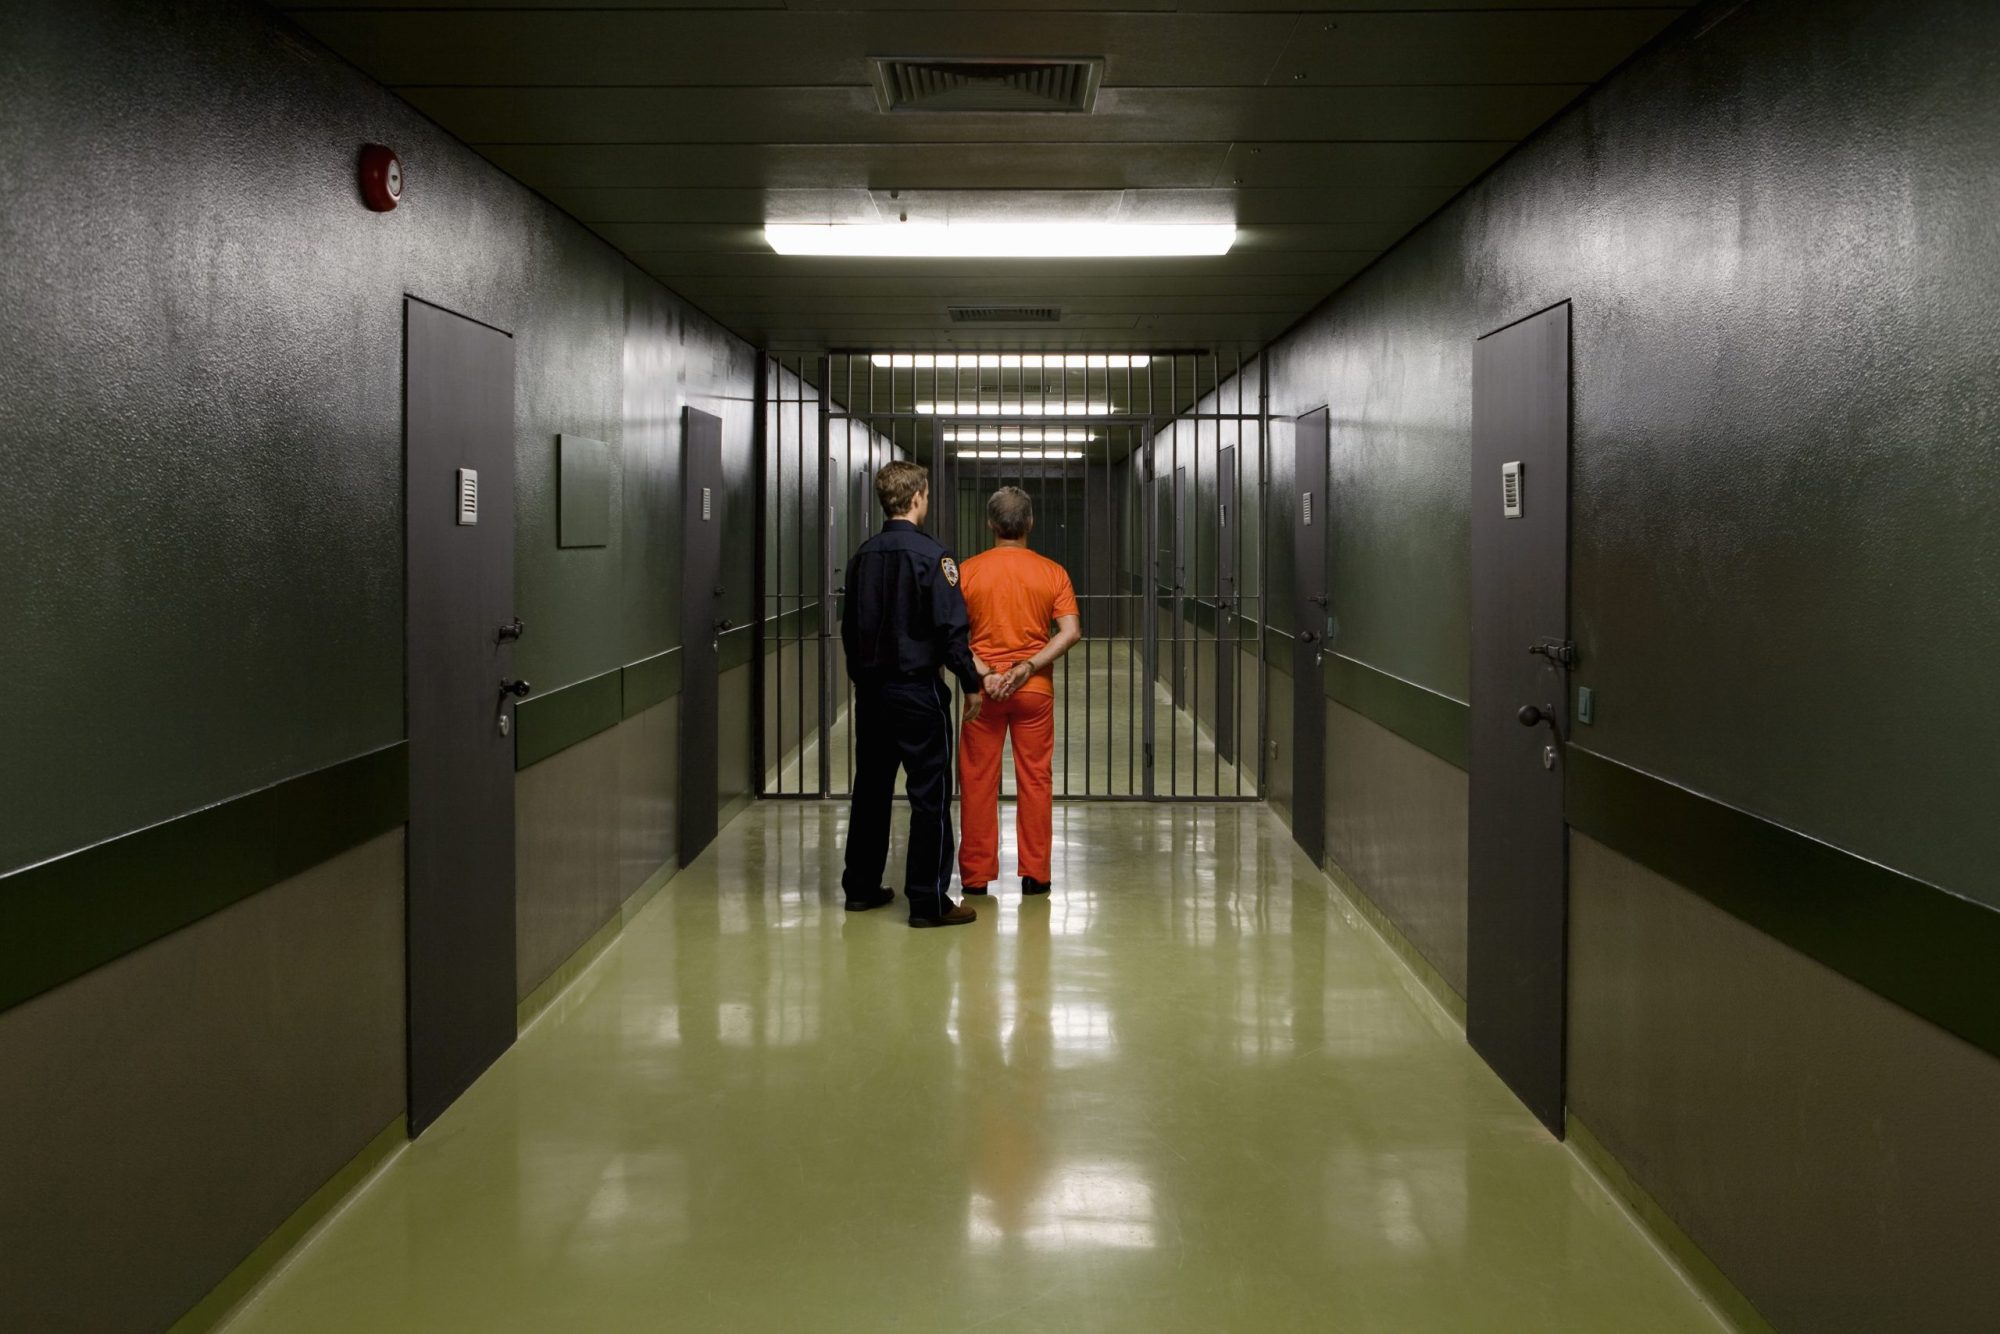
column 950, row 914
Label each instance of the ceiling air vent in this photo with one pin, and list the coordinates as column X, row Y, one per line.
column 998, row 85
column 1005, row 314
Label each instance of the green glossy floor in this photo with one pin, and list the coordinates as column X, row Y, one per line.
column 1191, row 1092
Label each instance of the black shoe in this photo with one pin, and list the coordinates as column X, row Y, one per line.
column 1031, row 886
column 943, row 913
column 867, row 901
column 975, row 889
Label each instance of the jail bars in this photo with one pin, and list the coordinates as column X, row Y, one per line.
column 1147, row 472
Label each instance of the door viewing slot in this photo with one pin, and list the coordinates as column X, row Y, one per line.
column 1146, row 473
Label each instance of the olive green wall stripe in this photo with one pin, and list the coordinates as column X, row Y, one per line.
column 547, row 724
column 651, row 681
column 1278, row 650
column 62, row 918
column 1416, row 714
column 1200, row 614
column 1916, row 944
column 732, row 648
column 800, row 623
column 1207, row 615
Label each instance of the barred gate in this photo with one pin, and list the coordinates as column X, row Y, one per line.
column 1147, row 474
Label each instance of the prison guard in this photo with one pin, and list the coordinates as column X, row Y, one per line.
column 902, row 621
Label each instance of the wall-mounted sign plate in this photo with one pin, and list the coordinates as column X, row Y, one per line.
column 583, row 491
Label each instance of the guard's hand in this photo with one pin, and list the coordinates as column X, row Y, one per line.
column 972, row 704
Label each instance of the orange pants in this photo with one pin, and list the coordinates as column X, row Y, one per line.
column 1031, row 720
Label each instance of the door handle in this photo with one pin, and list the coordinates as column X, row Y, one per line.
column 1318, row 600
column 517, row 689
column 508, row 633
column 1529, row 715
column 1308, row 637
column 724, row 624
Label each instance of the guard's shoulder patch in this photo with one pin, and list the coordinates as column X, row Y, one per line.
column 950, row 568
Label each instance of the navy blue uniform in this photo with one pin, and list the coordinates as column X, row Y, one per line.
column 904, row 619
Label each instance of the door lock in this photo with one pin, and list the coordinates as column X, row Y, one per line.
column 518, row 689
column 1559, row 652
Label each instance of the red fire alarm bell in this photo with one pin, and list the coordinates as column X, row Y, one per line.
column 381, row 177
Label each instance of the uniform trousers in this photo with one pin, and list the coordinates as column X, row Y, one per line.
column 1030, row 719
column 901, row 725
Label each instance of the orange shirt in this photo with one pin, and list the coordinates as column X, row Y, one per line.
column 1014, row 597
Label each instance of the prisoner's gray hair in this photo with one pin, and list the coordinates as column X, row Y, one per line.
column 1010, row 512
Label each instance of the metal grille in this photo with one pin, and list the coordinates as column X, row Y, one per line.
column 1005, row 314
column 987, row 85
column 1147, row 474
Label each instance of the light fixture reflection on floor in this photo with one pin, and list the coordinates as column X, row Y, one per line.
column 1002, row 240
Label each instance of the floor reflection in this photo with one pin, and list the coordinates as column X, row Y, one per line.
column 1187, row 1092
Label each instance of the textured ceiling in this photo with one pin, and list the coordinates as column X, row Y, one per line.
column 676, row 132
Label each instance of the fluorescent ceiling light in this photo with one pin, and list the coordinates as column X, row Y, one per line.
column 1002, row 240
column 1020, row 453
column 1032, row 435
column 1015, row 408
column 1006, row 360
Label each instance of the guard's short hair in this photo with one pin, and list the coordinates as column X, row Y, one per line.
column 899, row 484
column 1010, row 512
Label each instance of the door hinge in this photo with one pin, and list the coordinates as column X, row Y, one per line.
column 1560, row 652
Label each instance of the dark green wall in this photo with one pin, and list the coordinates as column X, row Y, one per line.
column 1775, row 229
column 1777, row 232
column 201, row 532
column 201, row 595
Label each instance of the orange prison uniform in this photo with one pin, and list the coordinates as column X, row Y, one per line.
column 1014, row 597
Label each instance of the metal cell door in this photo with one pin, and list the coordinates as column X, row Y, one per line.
column 701, row 625
column 458, row 442
column 1309, row 616
column 1517, row 911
